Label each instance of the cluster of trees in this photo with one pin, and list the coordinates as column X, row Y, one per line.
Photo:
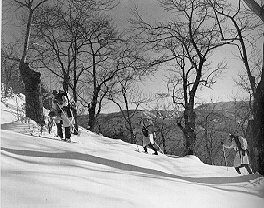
column 77, row 42
column 190, row 38
column 213, row 123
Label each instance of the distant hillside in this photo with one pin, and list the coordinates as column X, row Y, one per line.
column 214, row 121
column 228, row 109
column 224, row 106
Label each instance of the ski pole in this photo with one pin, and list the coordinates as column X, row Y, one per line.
column 137, row 146
column 159, row 148
column 136, row 143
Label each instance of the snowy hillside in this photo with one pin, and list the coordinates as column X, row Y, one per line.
column 99, row 172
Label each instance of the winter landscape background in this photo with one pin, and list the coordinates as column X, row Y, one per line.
column 193, row 69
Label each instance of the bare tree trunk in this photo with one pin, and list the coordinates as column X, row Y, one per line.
column 259, row 125
column 92, row 109
column 256, row 127
column 255, row 131
column 31, row 80
column 163, row 143
column 188, row 135
column 188, row 131
column 258, row 109
column 252, row 146
column 130, row 127
column 189, row 119
column 256, row 8
column 258, row 103
column 74, row 111
column 91, row 121
column 128, row 118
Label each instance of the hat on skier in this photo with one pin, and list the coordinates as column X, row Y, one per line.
column 52, row 113
column 147, row 121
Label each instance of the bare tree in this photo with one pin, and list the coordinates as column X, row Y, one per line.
column 31, row 78
column 257, row 8
column 10, row 75
column 213, row 127
column 103, row 53
column 165, row 127
column 58, row 43
column 258, row 123
column 240, row 24
column 135, row 67
column 70, row 36
column 208, row 125
column 129, row 99
column 189, row 40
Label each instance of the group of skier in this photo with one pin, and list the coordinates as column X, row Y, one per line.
column 62, row 115
column 238, row 143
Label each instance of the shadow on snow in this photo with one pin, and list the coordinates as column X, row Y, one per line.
column 210, row 181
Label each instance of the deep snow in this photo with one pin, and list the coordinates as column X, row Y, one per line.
column 100, row 172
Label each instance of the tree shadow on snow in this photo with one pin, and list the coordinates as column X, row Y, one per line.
column 210, row 181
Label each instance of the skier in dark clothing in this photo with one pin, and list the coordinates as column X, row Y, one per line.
column 148, row 137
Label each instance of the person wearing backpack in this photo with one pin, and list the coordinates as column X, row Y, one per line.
column 55, row 114
column 148, row 137
column 239, row 144
column 62, row 114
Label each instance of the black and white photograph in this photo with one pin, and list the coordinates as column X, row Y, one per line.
column 132, row 104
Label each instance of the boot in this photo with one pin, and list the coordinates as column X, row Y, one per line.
column 154, row 149
column 145, row 149
column 68, row 134
column 237, row 170
column 248, row 169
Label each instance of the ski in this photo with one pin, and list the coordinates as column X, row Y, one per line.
column 67, row 141
column 56, row 138
column 147, row 153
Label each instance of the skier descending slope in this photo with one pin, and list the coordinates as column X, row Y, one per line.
column 148, row 135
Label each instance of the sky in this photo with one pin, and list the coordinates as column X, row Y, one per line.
column 38, row 170
column 225, row 88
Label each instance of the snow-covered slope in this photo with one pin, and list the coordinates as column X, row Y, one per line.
column 96, row 171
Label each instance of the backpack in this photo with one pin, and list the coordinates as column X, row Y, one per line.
column 243, row 144
column 145, row 131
